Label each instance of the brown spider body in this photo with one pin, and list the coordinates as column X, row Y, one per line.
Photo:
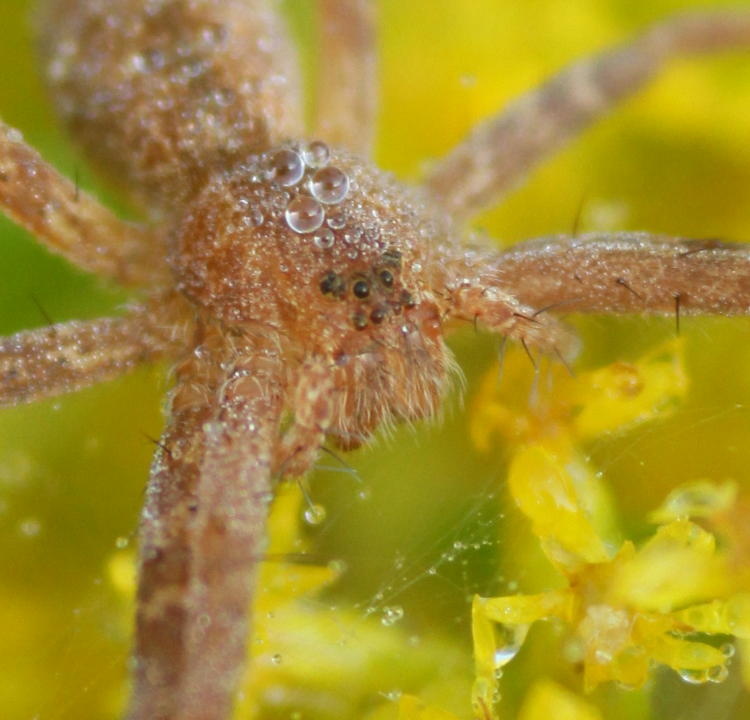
column 353, row 296
column 302, row 292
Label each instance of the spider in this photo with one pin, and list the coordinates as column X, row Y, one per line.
column 301, row 293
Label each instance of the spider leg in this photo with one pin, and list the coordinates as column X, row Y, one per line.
column 70, row 222
column 500, row 152
column 627, row 273
column 313, row 414
column 41, row 363
column 202, row 530
column 347, row 76
column 483, row 300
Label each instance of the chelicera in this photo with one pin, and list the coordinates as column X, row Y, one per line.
column 302, row 293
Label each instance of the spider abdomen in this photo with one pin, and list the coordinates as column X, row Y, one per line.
column 160, row 94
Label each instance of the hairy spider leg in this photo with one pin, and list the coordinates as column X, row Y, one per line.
column 346, row 101
column 62, row 358
column 498, row 153
column 71, row 223
column 626, row 273
column 203, row 528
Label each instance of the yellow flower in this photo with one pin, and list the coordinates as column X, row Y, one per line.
column 311, row 658
column 544, row 701
column 626, row 608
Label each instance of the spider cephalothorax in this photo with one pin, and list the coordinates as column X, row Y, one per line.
column 337, row 259
column 300, row 292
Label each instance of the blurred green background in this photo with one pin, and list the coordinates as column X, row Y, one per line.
column 676, row 159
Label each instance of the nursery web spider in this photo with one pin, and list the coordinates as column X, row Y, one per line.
column 302, row 293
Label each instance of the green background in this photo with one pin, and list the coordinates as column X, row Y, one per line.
column 72, row 470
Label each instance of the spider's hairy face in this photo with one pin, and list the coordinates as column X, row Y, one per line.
column 339, row 260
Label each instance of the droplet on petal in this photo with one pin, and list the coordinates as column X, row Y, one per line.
column 316, row 154
column 287, row 168
column 330, row 185
column 304, row 214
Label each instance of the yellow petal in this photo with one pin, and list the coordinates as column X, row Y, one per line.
column 622, row 394
column 685, row 654
column 557, row 491
column 727, row 617
column 701, row 498
column 649, row 580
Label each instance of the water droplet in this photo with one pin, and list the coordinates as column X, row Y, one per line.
column 287, row 168
column 255, row 218
column 509, row 639
column 324, row 238
column 276, row 659
column 330, row 185
column 121, row 543
column 315, row 514
column 304, row 214
column 337, row 220
column 316, row 154
column 364, row 494
column 694, row 677
column 391, row 615
column 727, row 650
column 718, row 674
column 223, row 97
column 504, row 655
column 137, row 63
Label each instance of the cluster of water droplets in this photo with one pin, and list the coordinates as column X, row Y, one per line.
column 317, row 189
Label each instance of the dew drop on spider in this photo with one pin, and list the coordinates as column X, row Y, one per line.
column 337, row 220
column 316, row 154
column 330, row 185
column 324, row 238
column 287, row 168
column 304, row 214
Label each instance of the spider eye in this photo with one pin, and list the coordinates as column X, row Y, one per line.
column 361, row 289
column 328, row 283
column 386, row 277
column 378, row 315
column 408, row 300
